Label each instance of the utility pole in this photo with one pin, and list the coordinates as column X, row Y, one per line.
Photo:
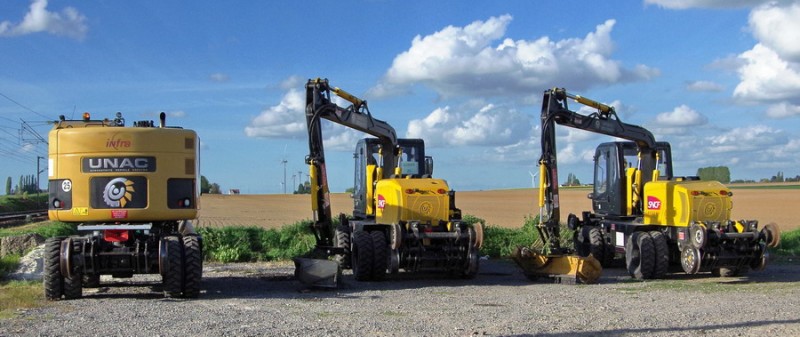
column 38, row 172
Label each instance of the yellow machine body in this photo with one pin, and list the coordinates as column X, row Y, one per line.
column 421, row 199
column 680, row 203
column 103, row 173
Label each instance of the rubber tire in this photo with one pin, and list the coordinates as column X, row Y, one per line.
column 172, row 280
column 380, row 257
column 640, row 255
column 53, row 280
column 192, row 266
column 343, row 241
column 362, row 256
column 581, row 247
column 661, row 254
column 599, row 248
column 73, row 285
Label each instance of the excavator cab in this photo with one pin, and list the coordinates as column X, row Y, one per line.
column 618, row 172
column 413, row 163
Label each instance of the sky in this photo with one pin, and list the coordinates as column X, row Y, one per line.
column 718, row 79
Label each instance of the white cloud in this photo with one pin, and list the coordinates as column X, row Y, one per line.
column 466, row 60
column 681, row 116
column 285, row 120
column 571, row 154
column 219, row 77
column 767, row 77
column 778, row 28
column 704, row 86
column 756, row 138
column 177, row 114
column 685, row 4
column 489, row 126
column 783, row 110
column 69, row 22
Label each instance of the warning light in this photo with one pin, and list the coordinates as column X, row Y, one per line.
column 86, row 116
column 441, row 191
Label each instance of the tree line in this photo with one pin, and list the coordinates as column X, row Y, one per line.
column 26, row 184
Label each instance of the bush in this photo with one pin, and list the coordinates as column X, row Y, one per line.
column 45, row 229
column 790, row 243
column 244, row 244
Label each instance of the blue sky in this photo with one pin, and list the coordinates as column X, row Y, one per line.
column 718, row 79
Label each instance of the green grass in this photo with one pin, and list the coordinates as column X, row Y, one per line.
column 244, row 244
column 17, row 295
column 790, row 244
column 46, row 229
column 20, row 203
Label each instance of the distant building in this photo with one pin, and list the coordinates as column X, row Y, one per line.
column 233, row 191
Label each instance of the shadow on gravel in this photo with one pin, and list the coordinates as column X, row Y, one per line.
column 254, row 281
column 687, row 331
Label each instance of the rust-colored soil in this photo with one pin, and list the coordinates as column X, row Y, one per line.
column 506, row 208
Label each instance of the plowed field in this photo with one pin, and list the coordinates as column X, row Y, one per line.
column 506, row 208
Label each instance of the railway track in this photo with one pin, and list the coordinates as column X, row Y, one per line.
column 9, row 219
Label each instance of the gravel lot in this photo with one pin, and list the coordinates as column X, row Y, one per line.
column 265, row 300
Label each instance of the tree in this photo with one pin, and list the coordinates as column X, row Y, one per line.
column 205, row 186
column 214, row 189
column 8, row 186
column 718, row 173
column 572, row 180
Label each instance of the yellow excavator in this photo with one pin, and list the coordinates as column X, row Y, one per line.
column 639, row 209
column 402, row 217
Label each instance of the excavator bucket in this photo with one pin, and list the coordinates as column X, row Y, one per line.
column 319, row 273
column 570, row 269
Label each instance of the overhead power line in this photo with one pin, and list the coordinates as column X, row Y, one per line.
column 24, row 107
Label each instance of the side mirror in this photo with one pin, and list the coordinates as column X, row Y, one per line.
column 590, row 195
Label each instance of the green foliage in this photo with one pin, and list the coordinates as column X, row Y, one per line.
column 790, row 243
column 214, row 189
column 8, row 264
column 204, row 184
column 18, row 203
column 718, row 173
column 243, row 244
column 572, row 180
column 46, row 229
column 8, row 186
column 500, row 241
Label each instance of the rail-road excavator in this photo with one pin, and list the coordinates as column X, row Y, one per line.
column 402, row 217
column 639, row 208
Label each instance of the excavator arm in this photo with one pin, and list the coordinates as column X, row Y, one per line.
column 555, row 260
column 555, row 110
column 319, row 105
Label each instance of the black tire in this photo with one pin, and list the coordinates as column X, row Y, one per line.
column 343, row 241
column 192, row 266
column 598, row 247
column 380, row 255
column 53, row 281
column 362, row 256
column 640, row 255
column 661, row 254
column 578, row 241
column 91, row 280
column 73, row 283
column 632, row 253
column 648, row 254
column 172, row 280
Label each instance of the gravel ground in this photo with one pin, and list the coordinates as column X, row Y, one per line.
column 265, row 300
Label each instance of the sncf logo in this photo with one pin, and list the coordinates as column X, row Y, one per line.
column 381, row 201
column 653, row 203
